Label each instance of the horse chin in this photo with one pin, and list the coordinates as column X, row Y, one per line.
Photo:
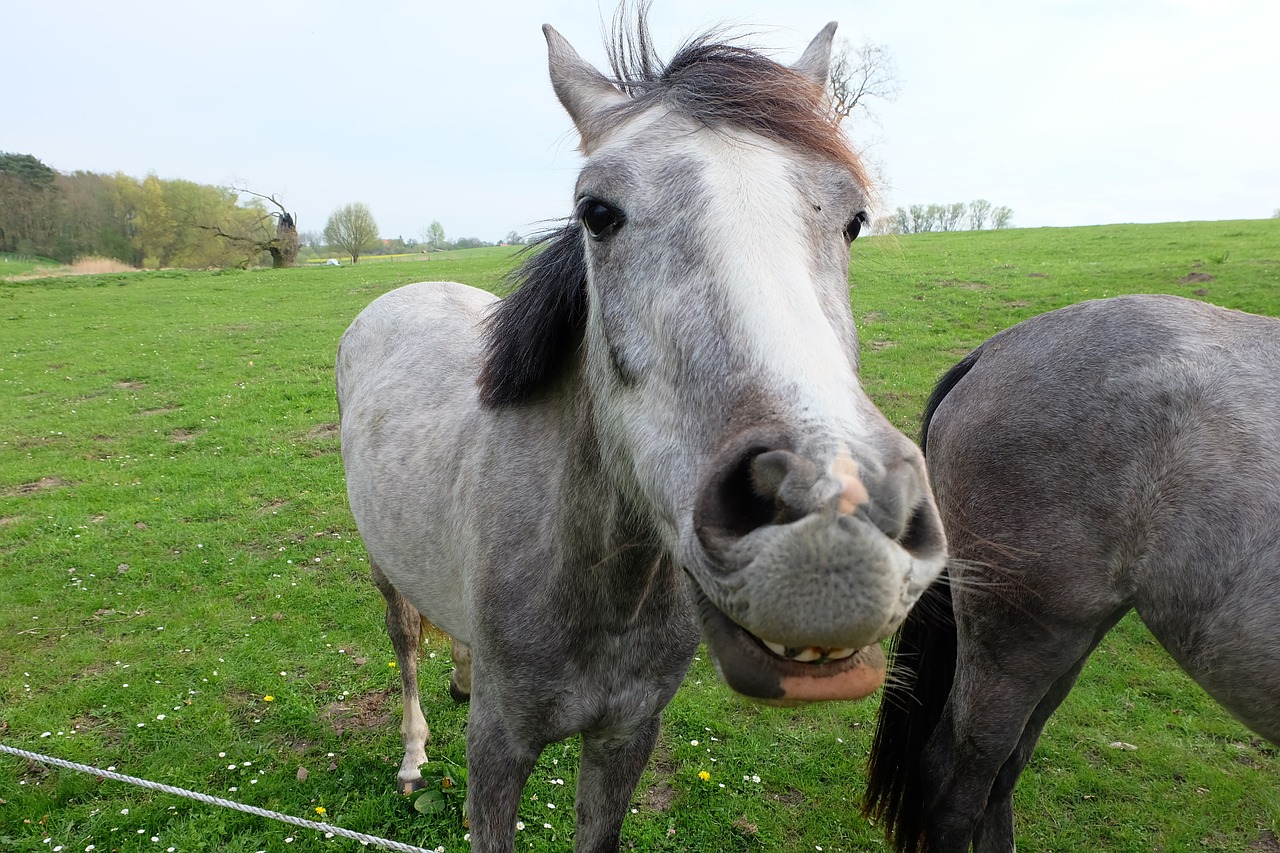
column 750, row 668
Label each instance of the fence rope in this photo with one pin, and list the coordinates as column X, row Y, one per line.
column 216, row 801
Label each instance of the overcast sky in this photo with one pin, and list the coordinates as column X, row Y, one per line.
column 1071, row 113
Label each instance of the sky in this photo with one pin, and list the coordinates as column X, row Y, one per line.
column 1070, row 113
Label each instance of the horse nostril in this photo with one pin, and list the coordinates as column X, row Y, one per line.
column 923, row 537
column 735, row 504
column 752, row 485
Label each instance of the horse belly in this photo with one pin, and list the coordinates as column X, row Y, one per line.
column 406, row 392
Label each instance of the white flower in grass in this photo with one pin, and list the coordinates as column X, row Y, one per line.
column 519, row 824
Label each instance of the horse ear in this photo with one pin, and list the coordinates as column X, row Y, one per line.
column 815, row 62
column 583, row 91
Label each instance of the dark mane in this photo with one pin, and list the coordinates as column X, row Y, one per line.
column 534, row 331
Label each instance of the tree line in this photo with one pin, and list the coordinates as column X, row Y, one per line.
column 147, row 223
column 960, row 216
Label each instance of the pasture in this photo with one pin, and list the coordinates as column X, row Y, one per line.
column 183, row 595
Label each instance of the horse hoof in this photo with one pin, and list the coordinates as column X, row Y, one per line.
column 458, row 696
column 411, row 786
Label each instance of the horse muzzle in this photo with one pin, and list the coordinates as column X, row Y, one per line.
column 802, row 568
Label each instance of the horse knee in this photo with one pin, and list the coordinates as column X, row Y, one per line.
column 460, row 680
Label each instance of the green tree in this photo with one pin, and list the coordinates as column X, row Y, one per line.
column 28, row 205
column 352, row 229
column 433, row 235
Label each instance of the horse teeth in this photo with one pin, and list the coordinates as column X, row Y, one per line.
column 808, row 654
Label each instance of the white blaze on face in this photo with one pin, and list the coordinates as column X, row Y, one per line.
column 756, row 224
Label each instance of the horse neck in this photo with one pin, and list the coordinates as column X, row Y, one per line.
column 612, row 552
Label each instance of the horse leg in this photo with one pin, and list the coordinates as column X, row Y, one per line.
column 460, row 680
column 995, row 829
column 404, row 627
column 607, row 777
column 498, row 765
column 1005, row 689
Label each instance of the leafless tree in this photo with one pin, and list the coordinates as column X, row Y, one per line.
column 280, row 241
column 979, row 213
column 859, row 75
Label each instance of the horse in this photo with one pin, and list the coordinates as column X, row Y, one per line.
column 1113, row 455
column 659, row 434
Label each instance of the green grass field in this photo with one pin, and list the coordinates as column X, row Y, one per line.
column 183, row 595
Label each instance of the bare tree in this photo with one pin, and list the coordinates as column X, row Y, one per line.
column 858, row 75
column 1002, row 217
column 278, row 239
column 979, row 213
column 352, row 229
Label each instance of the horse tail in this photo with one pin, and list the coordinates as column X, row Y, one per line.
column 916, row 689
column 948, row 381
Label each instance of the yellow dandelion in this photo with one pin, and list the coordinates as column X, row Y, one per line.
column 704, row 775
column 391, row 664
column 320, row 810
column 268, row 698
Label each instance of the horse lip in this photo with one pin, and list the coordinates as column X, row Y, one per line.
column 824, row 580
column 752, row 671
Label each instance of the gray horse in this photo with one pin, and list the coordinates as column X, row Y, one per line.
column 662, row 429
column 1114, row 455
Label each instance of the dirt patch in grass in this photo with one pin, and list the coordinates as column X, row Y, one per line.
column 878, row 346
column 273, row 506
column 44, row 484
column 659, row 796
column 181, row 436
column 1267, row 843
column 130, row 385
column 164, row 410
column 358, row 712
column 1037, row 275
column 791, row 796
column 321, row 432
column 1196, row 278
column 9, row 519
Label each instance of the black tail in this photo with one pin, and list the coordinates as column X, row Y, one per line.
column 919, row 681
column 917, row 687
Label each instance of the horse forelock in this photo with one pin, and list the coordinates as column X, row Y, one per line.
column 718, row 83
column 530, row 334
column 715, row 83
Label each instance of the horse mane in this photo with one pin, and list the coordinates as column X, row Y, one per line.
column 948, row 381
column 532, row 333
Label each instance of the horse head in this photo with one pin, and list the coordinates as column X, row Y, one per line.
column 712, row 330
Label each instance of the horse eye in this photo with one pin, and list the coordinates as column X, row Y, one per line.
column 600, row 219
column 854, row 227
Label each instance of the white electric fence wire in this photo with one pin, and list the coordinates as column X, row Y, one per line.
column 217, row 801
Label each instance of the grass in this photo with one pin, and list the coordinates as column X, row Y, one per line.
column 18, row 265
column 175, row 548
